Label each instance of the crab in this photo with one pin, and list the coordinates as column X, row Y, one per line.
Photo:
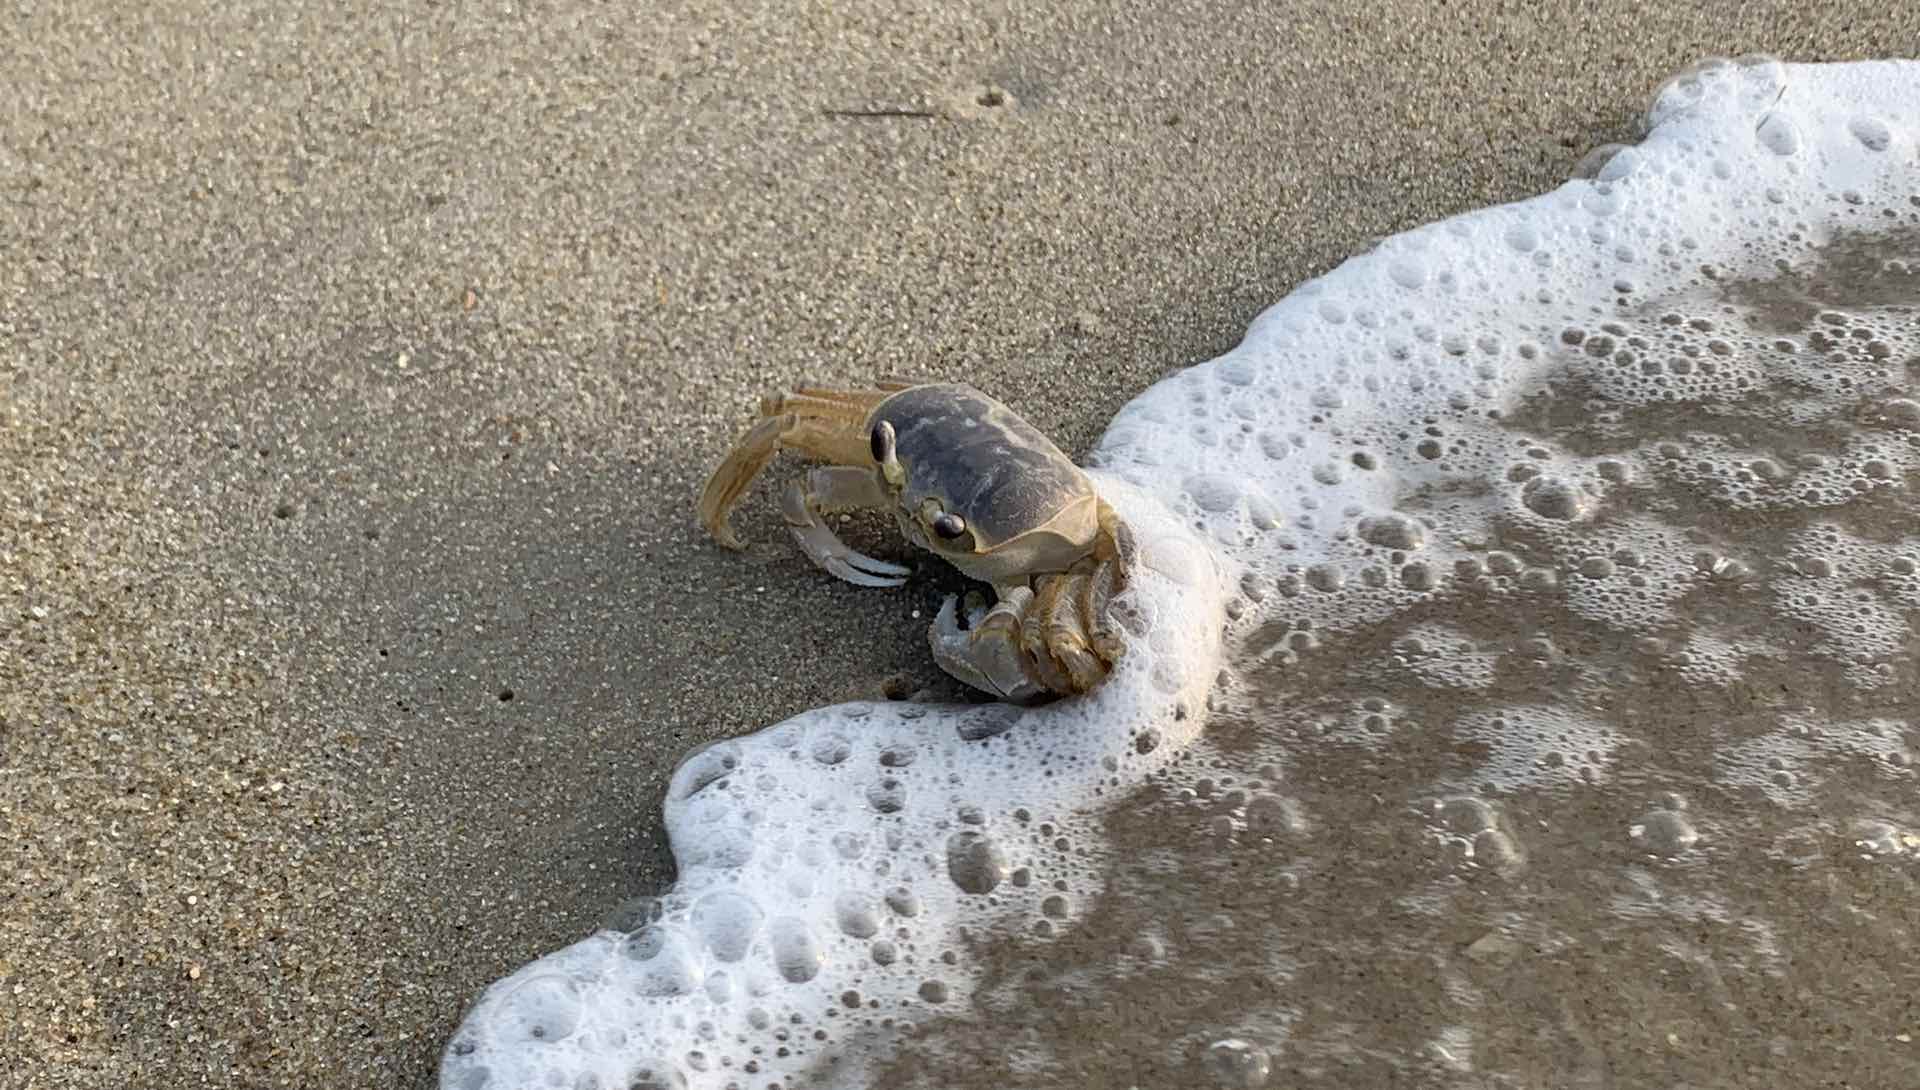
column 971, row 482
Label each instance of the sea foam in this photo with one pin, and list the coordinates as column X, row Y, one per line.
column 833, row 867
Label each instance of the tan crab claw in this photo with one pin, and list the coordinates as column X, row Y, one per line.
column 828, row 490
column 985, row 655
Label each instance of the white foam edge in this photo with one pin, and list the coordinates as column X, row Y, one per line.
column 760, row 816
column 1726, row 143
column 1708, row 158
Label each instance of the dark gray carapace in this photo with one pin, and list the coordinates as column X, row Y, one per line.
column 978, row 457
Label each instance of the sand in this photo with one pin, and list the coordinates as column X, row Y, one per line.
column 359, row 371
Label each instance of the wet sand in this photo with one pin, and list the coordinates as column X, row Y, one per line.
column 359, row 372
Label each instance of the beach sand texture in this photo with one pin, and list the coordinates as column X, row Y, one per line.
column 359, row 370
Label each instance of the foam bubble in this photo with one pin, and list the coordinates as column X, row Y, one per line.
column 1665, row 832
column 1238, row 1064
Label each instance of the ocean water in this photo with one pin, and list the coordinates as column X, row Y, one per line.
column 1521, row 693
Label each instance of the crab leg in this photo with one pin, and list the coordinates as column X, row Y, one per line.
column 1114, row 557
column 827, row 490
column 828, row 425
column 1100, row 587
column 1055, row 633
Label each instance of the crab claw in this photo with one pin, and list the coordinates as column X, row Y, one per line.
column 987, row 655
column 826, row 489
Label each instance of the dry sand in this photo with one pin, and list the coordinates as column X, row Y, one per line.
column 359, row 371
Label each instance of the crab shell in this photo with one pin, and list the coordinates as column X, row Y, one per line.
column 1029, row 509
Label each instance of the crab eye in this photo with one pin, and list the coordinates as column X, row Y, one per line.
column 949, row 526
column 881, row 442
